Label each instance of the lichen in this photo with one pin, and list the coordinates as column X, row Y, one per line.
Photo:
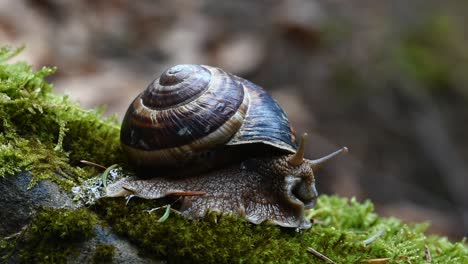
column 93, row 189
column 46, row 134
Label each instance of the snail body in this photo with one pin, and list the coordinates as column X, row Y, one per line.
column 222, row 143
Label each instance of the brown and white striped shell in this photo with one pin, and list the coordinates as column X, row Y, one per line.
column 193, row 110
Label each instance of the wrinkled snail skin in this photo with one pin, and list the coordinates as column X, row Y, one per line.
column 195, row 115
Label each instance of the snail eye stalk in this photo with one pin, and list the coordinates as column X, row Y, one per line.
column 298, row 158
column 318, row 163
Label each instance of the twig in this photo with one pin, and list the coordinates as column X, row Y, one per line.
column 320, row 255
column 165, row 216
column 90, row 163
column 378, row 260
column 374, row 237
column 318, row 222
column 167, row 206
column 18, row 237
column 150, row 211
column 17, row 234
column 427, row 252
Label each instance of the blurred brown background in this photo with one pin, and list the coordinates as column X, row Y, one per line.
column 387, row 79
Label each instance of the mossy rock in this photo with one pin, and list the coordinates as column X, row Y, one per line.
column 47, row 135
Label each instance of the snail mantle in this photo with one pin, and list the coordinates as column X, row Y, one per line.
column 217, row 142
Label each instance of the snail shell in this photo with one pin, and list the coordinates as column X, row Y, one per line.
column 194, row 110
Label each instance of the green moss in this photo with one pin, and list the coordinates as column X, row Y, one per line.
column 104, row 253
column 64, row 224
column 47, row 134
column 345, row 224
column 52, row 237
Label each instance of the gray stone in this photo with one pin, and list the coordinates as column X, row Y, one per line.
column 124, row 251
column 19, row 203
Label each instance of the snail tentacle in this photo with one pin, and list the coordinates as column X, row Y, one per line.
column 318, row 163
column 298, row 158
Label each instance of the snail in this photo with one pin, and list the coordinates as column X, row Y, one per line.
column 221, row 143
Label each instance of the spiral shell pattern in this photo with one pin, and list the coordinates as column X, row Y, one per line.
column 192, row 109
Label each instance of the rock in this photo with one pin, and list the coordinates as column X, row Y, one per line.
column 124, row 251
column 19, row 204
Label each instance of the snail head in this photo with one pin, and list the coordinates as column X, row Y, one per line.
column 299, row 183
